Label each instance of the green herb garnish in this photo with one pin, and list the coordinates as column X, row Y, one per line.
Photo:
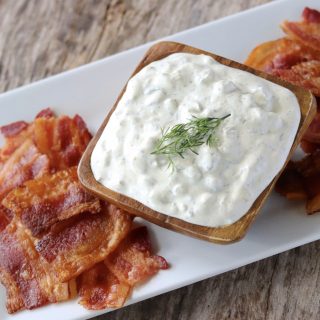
column 183, row 137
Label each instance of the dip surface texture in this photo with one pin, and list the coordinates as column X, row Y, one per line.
column 220, row 184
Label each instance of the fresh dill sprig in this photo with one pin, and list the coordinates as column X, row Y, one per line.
column 183, row 137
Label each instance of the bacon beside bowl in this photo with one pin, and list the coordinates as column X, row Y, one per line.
column 56, row 239
column 296, row 58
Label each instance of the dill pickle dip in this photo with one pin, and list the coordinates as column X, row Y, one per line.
column 212, row 184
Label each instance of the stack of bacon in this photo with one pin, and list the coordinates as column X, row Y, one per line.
column 56, row 240
column 296, row 58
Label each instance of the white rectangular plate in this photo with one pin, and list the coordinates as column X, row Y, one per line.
column 92, row 89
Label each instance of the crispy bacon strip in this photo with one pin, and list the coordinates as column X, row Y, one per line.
column 301, row 180
column 13, row 129
column 24, row 164
column 99, row 288
column 45, row 113
column 308, row 147
column 82, row 242
column 313, row 204
column 311, row 139
column 51, row 230
column 84, row 134
column 291, row 184
column 108, row 285
column 290, row 61
column 311, row 15
column 4, row 219
column 24, row 275
column 17, row 133
column 309, row 166
column 280, row 54
column 295, row 59
column 307, row 31
column 41, row 203
column 133, row 261
column 62, row 139
column 13, row 142
column 305, row 74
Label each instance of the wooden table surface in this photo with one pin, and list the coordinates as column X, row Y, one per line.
column 43, row 37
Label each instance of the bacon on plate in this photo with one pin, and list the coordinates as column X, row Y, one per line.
column 24, row 275
column 301, row 180
column 295, row 58
column 4, row 219
column 12, row 142
column 99, row 288
column 17, row 133
column 62, row 139
column 305, row 74
column 289, row 60
column 39, row 209
column 52, row 231
column 108, row 284
column 133, row 260
column 24, row 164
column 38, row 271
column 306, row 31
column 282, row 53
column 79, row 243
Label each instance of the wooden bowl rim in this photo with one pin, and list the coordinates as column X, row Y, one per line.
column 226, row 234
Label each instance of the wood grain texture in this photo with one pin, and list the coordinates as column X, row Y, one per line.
column 225, row 234
column 44, row 37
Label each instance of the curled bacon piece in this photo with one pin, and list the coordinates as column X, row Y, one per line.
column 301, row 180
column 80, row 243
column 13, row 129
column 133, row 261
column 24, row 164
column 289, row 60
column 4, row 219
column 39, row 209
column 305, row 74
column 45, row 113
column 306, row 31
column 311, row 140
column 62, row 139
column 291, row 184
column 12, row 143
column 107, row 285
column 280, row 54
column 99, row 288
column 295, row 59
column 17, row 133
column 311, row 15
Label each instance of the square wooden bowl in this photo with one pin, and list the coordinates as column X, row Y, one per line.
column 226, row 234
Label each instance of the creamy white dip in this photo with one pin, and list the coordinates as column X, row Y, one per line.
column 219, row 185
